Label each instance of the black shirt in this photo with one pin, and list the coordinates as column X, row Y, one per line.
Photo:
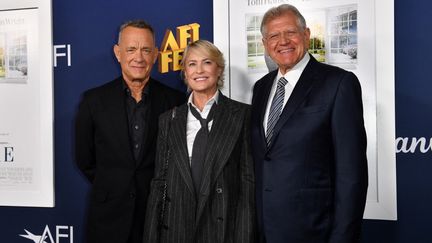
column 137, row 114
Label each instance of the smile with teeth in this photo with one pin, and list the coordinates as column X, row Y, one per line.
column 286, row 50
column 200, row 78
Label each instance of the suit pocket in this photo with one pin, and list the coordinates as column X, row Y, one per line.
column 316, row 197
column 312, row 109
column 316, row 210
column 102, row 195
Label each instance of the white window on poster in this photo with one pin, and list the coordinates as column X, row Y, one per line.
column 342, row 37
column 2, row 56
column 16, row 55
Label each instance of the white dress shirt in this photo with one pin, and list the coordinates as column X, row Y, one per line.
column 193, row 124
column 292, row 76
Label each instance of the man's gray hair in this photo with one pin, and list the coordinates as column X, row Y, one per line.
column 138, row 23
column 279, row 11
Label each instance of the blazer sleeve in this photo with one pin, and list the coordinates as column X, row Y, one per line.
column 151, row 225
column 84, row 145
column 246, row 220
column 351, row 173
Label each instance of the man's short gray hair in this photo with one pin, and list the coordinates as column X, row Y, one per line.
column 138, row 23
column 279, row 11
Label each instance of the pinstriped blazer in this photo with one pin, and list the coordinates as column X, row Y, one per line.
column 224, row 209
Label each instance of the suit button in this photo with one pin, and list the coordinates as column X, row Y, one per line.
column 219, row 190
column 132, row 195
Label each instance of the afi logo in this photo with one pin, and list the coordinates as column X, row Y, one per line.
column 170, row 55
column 58, row 53
column 61, row 231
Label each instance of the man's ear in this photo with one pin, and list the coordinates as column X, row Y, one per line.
column 264, row 41
column 116, row 50
column 156, row 52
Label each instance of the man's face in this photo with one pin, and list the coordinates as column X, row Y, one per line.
column 136, row 53
column 285, row 41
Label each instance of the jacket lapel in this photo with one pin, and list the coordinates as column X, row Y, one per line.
column 300, row 92
column 114, row 103
column 177, row 143
column 225, row 130
column 156, row 99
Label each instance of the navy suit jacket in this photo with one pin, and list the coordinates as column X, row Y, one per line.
column 311, row 183
column 120, row 184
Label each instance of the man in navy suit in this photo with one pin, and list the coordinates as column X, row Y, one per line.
column 116, row 128
column 308, row 141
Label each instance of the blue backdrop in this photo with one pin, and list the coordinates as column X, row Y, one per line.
column 89, row 29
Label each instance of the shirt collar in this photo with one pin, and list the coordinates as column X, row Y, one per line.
column 294, row 74
column 210, row 102
column 145, row 91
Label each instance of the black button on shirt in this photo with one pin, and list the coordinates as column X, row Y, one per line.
column 137, row 119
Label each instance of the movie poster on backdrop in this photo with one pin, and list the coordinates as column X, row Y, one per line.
column 23, row 170
column 343, row 33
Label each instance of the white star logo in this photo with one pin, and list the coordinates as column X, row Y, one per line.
column 34, row 238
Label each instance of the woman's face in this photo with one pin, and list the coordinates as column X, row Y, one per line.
column 201, row 73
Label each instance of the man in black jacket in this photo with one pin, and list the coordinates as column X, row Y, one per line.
column 116, row 128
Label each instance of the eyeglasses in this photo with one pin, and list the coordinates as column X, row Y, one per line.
column 277, row 36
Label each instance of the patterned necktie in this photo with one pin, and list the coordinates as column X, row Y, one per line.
column 200, row 146
column 275, row 109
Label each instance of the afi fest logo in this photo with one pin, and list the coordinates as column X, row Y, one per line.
column 170, row 55
column 62, row 232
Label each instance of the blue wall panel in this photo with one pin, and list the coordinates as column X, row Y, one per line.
column 413, row 119
column 90, row 28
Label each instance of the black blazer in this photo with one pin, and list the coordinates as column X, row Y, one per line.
column 311, row 183
column 103, row 152
column 224, row 211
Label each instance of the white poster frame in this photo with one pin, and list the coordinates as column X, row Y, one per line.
column 37, row 189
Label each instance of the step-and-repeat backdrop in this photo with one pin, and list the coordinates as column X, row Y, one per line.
column 84, row 33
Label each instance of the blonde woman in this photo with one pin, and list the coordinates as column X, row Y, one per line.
column 203, row 190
